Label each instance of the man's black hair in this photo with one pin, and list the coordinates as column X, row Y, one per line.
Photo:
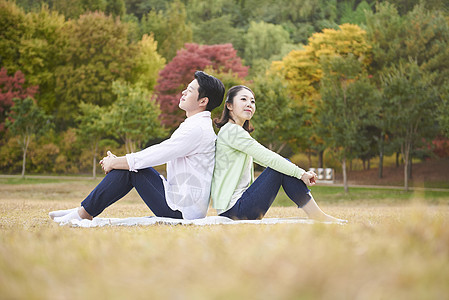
column 210, row 87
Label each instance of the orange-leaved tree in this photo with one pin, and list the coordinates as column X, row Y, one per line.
column 303, row 70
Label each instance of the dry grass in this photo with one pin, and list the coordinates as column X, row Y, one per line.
column 396, row 251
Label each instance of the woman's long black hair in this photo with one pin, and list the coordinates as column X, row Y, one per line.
column 225, row 116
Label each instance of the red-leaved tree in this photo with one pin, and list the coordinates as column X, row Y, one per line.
column 441, row 146
column 179, row 72
column 12, row 87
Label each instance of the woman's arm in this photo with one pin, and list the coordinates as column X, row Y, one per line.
column 237, row 138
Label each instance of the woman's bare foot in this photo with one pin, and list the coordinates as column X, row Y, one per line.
column 314, row 212
column 326, row 218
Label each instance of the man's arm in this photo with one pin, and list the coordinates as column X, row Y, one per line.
column 176, row 146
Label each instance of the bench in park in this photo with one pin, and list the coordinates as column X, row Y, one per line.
column 325, row 175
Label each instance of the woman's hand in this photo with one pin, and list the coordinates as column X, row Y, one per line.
column 106, row 162
column 309, row 178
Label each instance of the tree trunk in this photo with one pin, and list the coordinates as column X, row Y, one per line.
column 24, row 161
column 405, row 153
column 281, row 148
column 321, row 159
column 405, row 175
column 94, row 162
column 26, row 142
column 381, row 156
column 397, row 159
column 410, row 167
column 309, row 158
column 381, row 165
column 129, row 145
column 345, row 176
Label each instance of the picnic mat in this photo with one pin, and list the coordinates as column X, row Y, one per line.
column 211, row 220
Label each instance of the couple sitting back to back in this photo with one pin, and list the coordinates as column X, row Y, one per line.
column 201, row 165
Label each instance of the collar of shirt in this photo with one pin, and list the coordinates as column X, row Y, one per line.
column 198, row 115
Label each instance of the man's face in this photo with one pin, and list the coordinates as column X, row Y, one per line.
column 189, row 100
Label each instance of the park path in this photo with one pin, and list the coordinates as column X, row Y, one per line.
column 391, row 187
column 324, row 183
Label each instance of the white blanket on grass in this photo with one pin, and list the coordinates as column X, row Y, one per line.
column 212, row 220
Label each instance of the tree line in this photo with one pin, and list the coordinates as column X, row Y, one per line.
column 361, row 79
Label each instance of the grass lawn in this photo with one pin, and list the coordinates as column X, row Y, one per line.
column 396, row 246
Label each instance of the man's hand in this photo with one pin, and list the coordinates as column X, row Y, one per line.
column 309, row 178
column 106, row 162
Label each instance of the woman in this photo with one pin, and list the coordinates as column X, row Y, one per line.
column 234, row 194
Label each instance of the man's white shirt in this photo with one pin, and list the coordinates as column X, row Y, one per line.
column 190, row 157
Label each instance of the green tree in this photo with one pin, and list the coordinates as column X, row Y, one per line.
column 91, row 129
column 278, row 121
column 73, row 9
column 40, row 54
column 443, row 109
column 263, row 40
column 139, row 8
column 219, row 30
column 357, row 16
column 27, row 121
column 427, row 41
column 217, row 22
column 115, row 8
column 206, row 10
column 347, row 108
column 420, row 35
column 169, row 27
column 412, row 103
column 134, row 116
column 318, row 14
column 405, row 6
column 146, row 63
column 69, row 159
column 13, row 28
column 97, row 53
column 30, row 5
column 385, row 32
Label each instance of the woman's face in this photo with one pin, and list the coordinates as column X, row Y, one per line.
column 243, row 107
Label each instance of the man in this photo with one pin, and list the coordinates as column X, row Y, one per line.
column 189, row 154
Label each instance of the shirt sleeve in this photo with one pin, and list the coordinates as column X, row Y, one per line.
column 241, row 140
column 182, row 143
